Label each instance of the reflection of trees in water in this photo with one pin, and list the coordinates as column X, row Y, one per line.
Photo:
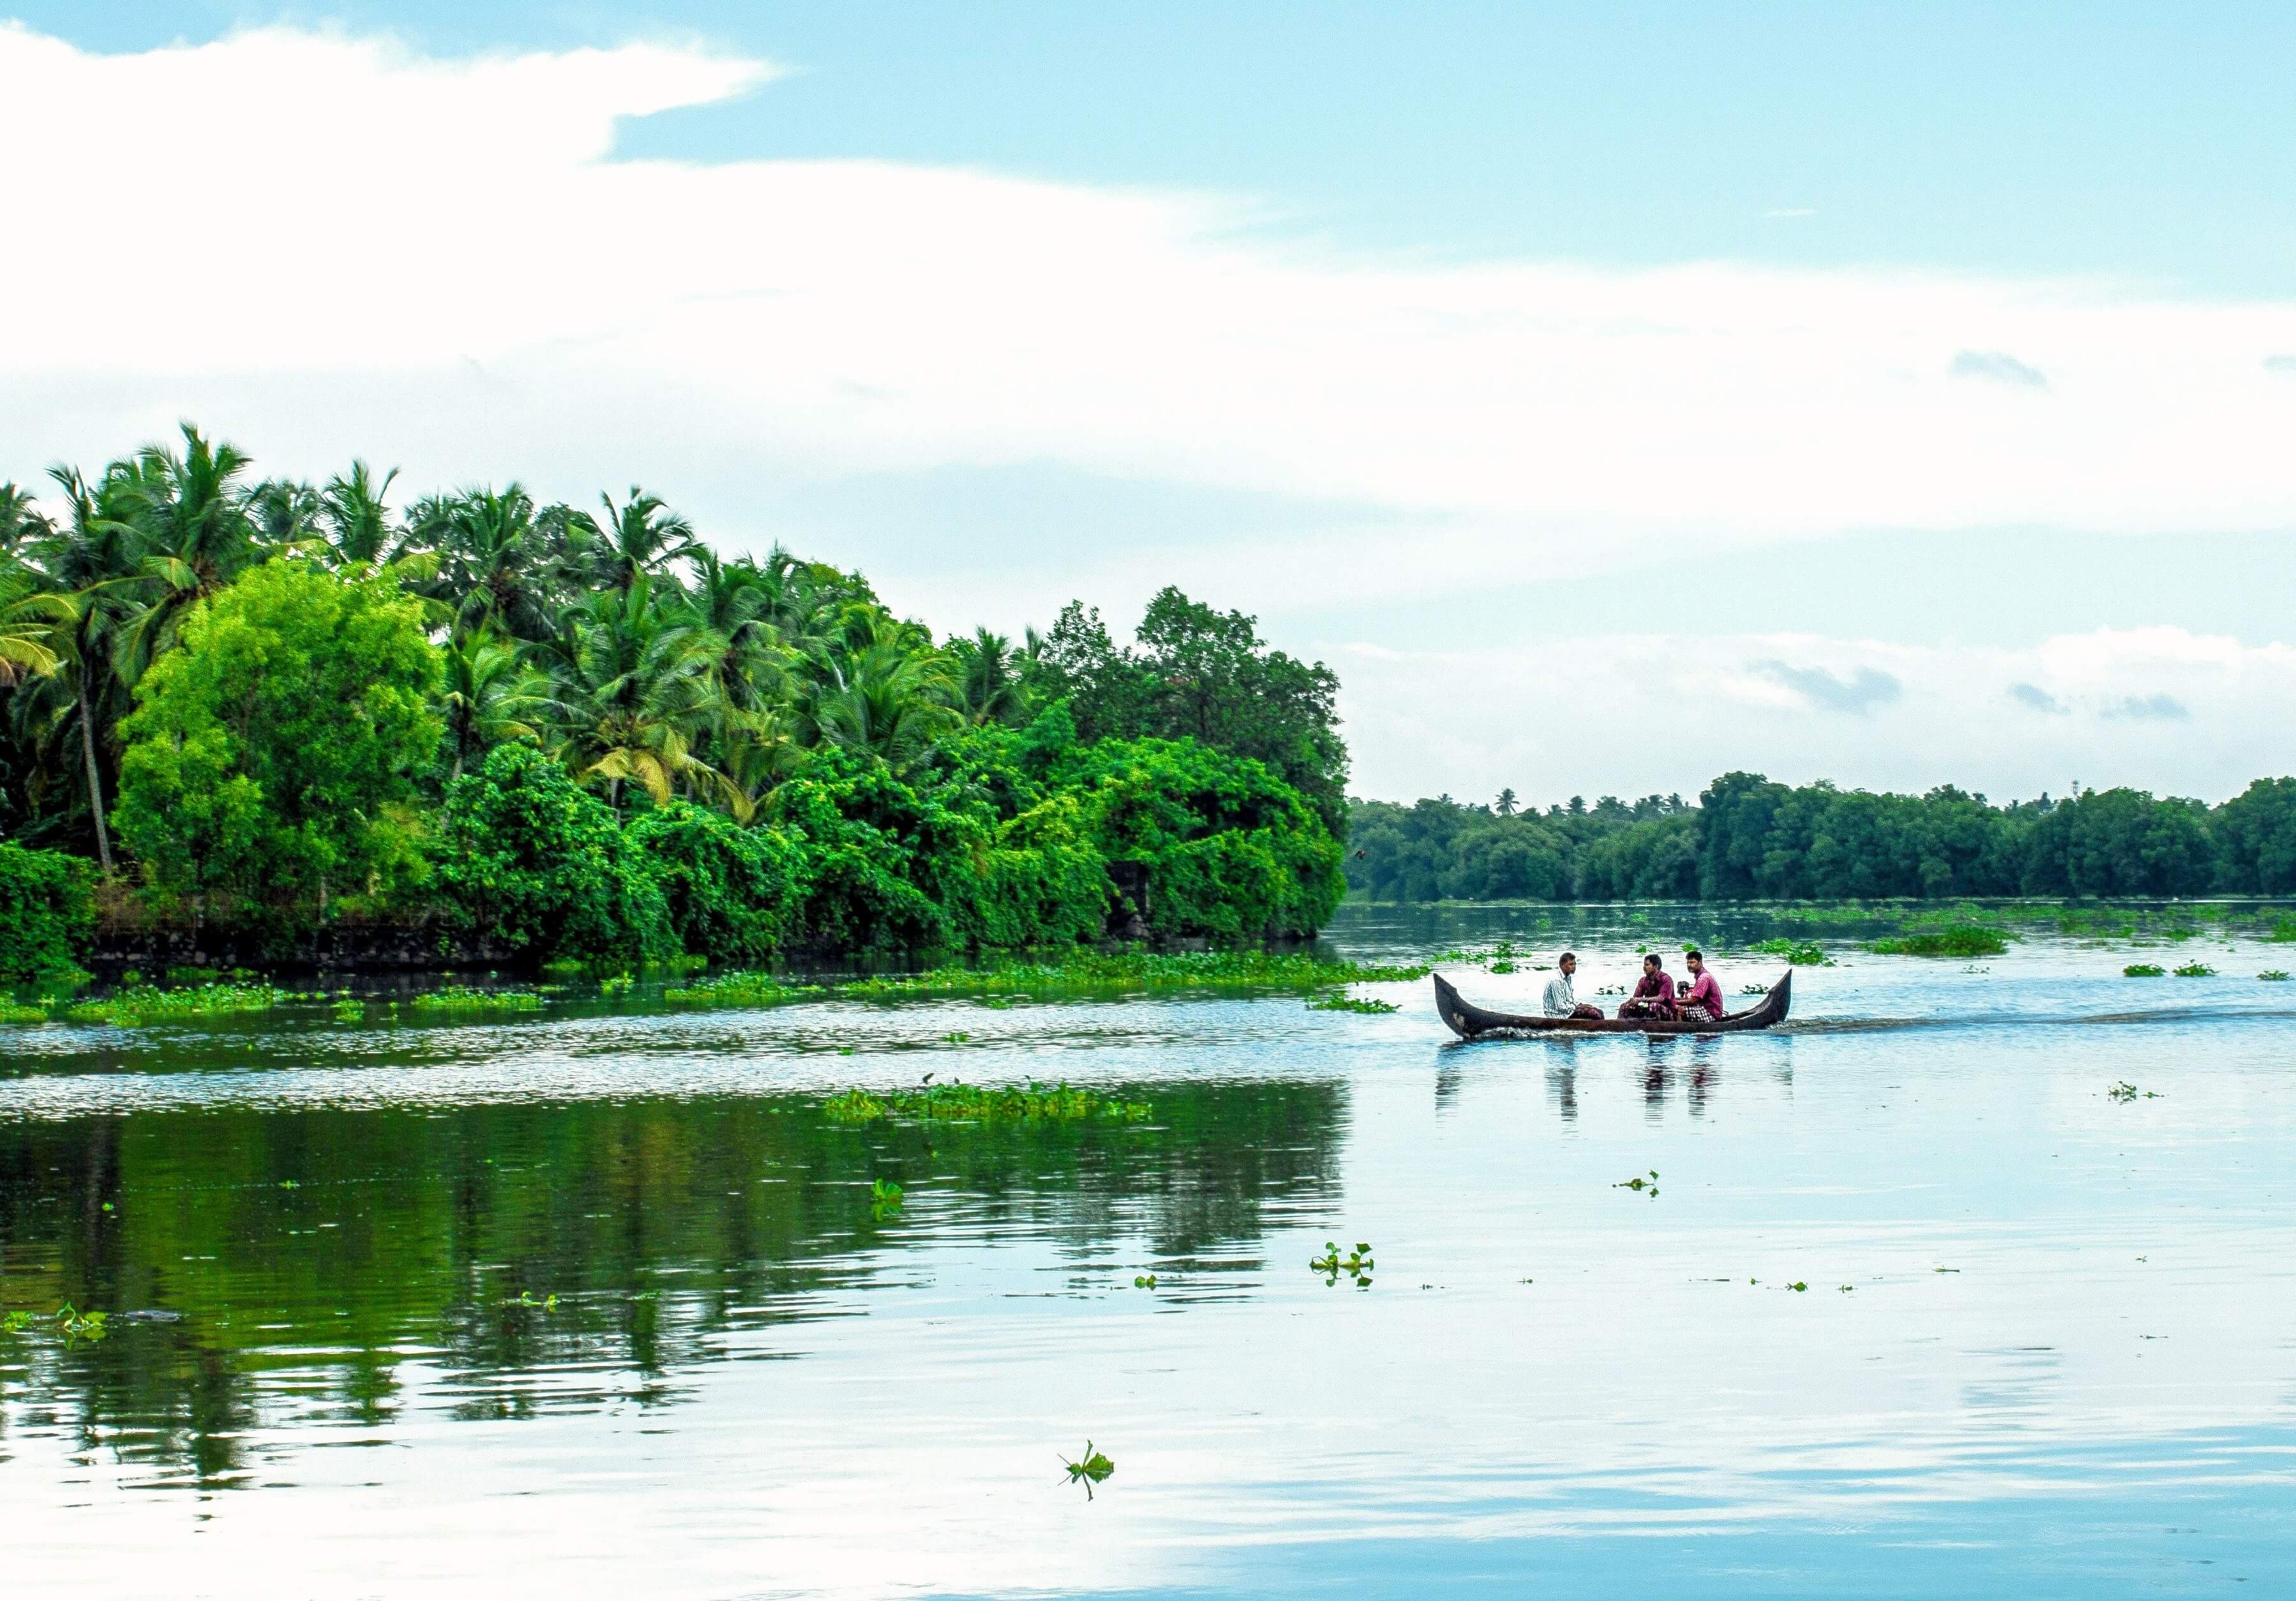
column 659, row 1225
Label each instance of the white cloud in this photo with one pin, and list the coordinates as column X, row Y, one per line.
column 436, row 261
column 322, row 244
column 1627, row 715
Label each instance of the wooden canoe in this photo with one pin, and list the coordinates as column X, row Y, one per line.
column 1470, row 1021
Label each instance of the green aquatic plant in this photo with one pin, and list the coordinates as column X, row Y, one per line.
column 2125, row 1091
column 350, row 1009
column 1797, row 953
column 1091, row 1469
column 193, row 975
column 885, row 1197
column 1088, row 973
column 856, row 1105
column 957, row 1038
column 1639, row 1184
column 547, row 1303
column 1964, row 939
column 742, row 990
column 2144, row 970
column 15, row 1323
column 620, row 983
column 1143, row 1281
column 1755, row 989
column 10, row 1012
column 460, row 998
column 74, row 1324
column 1798, row 1286
column 140, row 1004
column 2273, row 975
column 2283, row 930
column 1356, row 1264
column 1349, row 1002
column 2194, row 970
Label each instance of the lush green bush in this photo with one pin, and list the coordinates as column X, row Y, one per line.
column 47, row 911
column 526, row 857
column 1229, row 851
column 731, row 891
column 273, row 755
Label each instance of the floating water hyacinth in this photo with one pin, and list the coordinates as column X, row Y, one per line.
column 1091, row 1469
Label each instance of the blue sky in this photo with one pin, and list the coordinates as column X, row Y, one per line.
column 2143, row 141
column 1552, row 366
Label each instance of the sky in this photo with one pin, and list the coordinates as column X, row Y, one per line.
column 1613, row 396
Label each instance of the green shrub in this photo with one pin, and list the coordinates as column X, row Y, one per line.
column 526, row 857
column 47, row 915
column 272, row 756
column 730, row 891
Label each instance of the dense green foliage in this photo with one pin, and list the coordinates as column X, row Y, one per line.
column 275, row 750
column 1748, row 839
column 584, row 734
column 47, row 911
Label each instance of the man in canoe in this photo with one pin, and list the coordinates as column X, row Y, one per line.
column 1560, row 1000
column 1702, row 1001
column 1653, row 998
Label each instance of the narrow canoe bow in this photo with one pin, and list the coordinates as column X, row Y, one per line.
column 1470, row 1021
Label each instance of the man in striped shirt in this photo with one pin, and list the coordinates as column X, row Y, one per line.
column 1560, row 1000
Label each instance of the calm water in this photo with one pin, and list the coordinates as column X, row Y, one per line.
column 2047, row 1345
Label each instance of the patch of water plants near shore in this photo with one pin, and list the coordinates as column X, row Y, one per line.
column 2144, row 970
column 463, row 998
column 139, row 1004
column 959, row 1102
column 1349, row 1002
column 1079, row 973
column 1960, row 939
column 1797, row 953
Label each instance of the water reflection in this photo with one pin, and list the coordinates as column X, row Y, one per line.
column 537, row 1259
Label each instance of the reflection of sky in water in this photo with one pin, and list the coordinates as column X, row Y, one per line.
column 1554, row 1385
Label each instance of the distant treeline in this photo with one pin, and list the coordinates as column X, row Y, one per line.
column 1749, row 839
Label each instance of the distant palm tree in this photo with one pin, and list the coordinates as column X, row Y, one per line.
column 1506, row 804
column 191, row 537
column 886, row 693
column 358, row 521
column 639, row 538
column 31, row 619
column 637, row 695
column 490, row 559
column 491, row 694
column 93, row 558
column 22, row 523
column 989, row 677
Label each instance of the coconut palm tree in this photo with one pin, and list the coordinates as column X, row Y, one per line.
column 639, row 538
column 491, row 559
column 886, row 692
column 636, row 696
column 353, row 512
column 491, row 694
column 989, row 688
column 190, row 535
column 93, row 558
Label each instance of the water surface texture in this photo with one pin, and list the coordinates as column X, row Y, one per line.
column 1919, row 1307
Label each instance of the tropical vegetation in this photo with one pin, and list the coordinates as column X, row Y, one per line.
column 1746, row 838
column 579, row 733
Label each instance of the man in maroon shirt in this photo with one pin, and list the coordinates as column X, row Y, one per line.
column 1654, row 996
column 1702, row 1001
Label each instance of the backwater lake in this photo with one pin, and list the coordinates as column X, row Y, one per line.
column 598, row 1302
